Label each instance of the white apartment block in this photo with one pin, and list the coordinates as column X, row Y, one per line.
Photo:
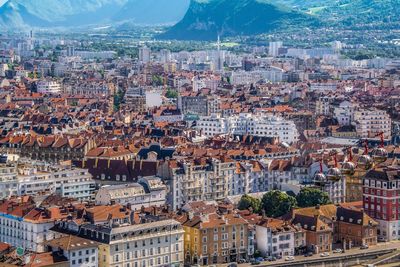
column 345, row 113
column 274, row 48
column 323, row 87
column 90, row 55
column 80, row 252
column 336, row 190
column 213, row 125
column 49, row 87
column 28, row 231
column 275, row 241
column 370, row 121
column 158, row 243
column 250, row 177
column 8, row 181
column 150, row 191
column 82, row 257
column 29, row 179
column 262, row 125
column 272, row 74
column 189, row 181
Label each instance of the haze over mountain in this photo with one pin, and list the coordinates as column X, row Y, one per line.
column 72, row 13
column 206, row 19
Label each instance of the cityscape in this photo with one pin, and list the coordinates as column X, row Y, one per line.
column 187, row 133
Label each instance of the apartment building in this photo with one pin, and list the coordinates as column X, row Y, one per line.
column 8, row 180
column 79, row 252
column 197, row 179
column 325, row 225
column 149, row 191
column 344, row 113
column 214, row 238
column 24, row 225
column 201, row 105
column 65, row 181
column 262, row 125
column 275, row 238
column 158, row 243
column 135, row 99
column 370, row 121
column 49, row 87
column 381, row 201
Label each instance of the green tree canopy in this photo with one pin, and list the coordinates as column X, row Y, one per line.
column 247, row 202
column 171, row 94
column 277, row 203
column 310, row 197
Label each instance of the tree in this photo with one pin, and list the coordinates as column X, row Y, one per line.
column 311, row 197
column 171, row 94
column 246, row 202
column 277, row 203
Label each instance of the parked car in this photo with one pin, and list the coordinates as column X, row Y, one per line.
column 255, row 262
column 289, row 258
column 260, row 259
column 242, row 261
column 271, row 258
column 338, row 250
column 308, row 254
column 325, row 254
column 232, row 264
column 364, row 246
column 382, row 239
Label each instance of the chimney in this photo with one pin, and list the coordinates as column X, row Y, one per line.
column 263, row 214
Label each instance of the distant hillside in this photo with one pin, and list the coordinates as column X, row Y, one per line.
column 205, row 19
column 17, row 14
column 349, row 12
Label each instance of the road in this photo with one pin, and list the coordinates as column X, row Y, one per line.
column 351, row 252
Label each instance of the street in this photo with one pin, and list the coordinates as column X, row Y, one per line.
column 351, row 252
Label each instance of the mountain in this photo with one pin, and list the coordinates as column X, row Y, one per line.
column 349, row 12
column 206, row 19
column 17, row 14
column 153, row 11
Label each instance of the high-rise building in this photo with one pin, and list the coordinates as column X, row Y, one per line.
column 165, row 56
column 274, row 48
column 70, row 51
column 144, row 54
